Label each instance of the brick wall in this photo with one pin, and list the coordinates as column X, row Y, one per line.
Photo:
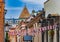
column 1, row 21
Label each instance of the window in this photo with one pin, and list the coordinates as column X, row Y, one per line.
column 10, row 21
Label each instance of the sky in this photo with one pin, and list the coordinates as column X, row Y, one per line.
column 15, row 7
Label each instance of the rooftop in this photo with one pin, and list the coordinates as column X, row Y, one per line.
column 25, row 13
column 46, row 2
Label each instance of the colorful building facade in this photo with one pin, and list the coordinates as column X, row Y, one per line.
column 38, row 27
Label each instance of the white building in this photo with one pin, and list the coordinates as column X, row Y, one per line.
column 12, row 21
column 52, row 7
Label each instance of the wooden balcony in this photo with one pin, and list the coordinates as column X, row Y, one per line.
column 34, row 20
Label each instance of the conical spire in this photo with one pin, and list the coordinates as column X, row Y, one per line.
column 25, row 13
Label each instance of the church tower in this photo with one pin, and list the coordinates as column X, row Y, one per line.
column 1, row 21
column 25, row 14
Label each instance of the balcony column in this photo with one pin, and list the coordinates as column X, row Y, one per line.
column 55, row 35
column 36, row 35
column 36, row 25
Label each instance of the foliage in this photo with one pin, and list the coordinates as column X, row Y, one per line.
column 51, row 33
column 7, row 38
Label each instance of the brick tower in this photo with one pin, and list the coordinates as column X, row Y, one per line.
column 1, row 21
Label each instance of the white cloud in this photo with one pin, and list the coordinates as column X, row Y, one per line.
column 13, row 8
column 34, row 1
